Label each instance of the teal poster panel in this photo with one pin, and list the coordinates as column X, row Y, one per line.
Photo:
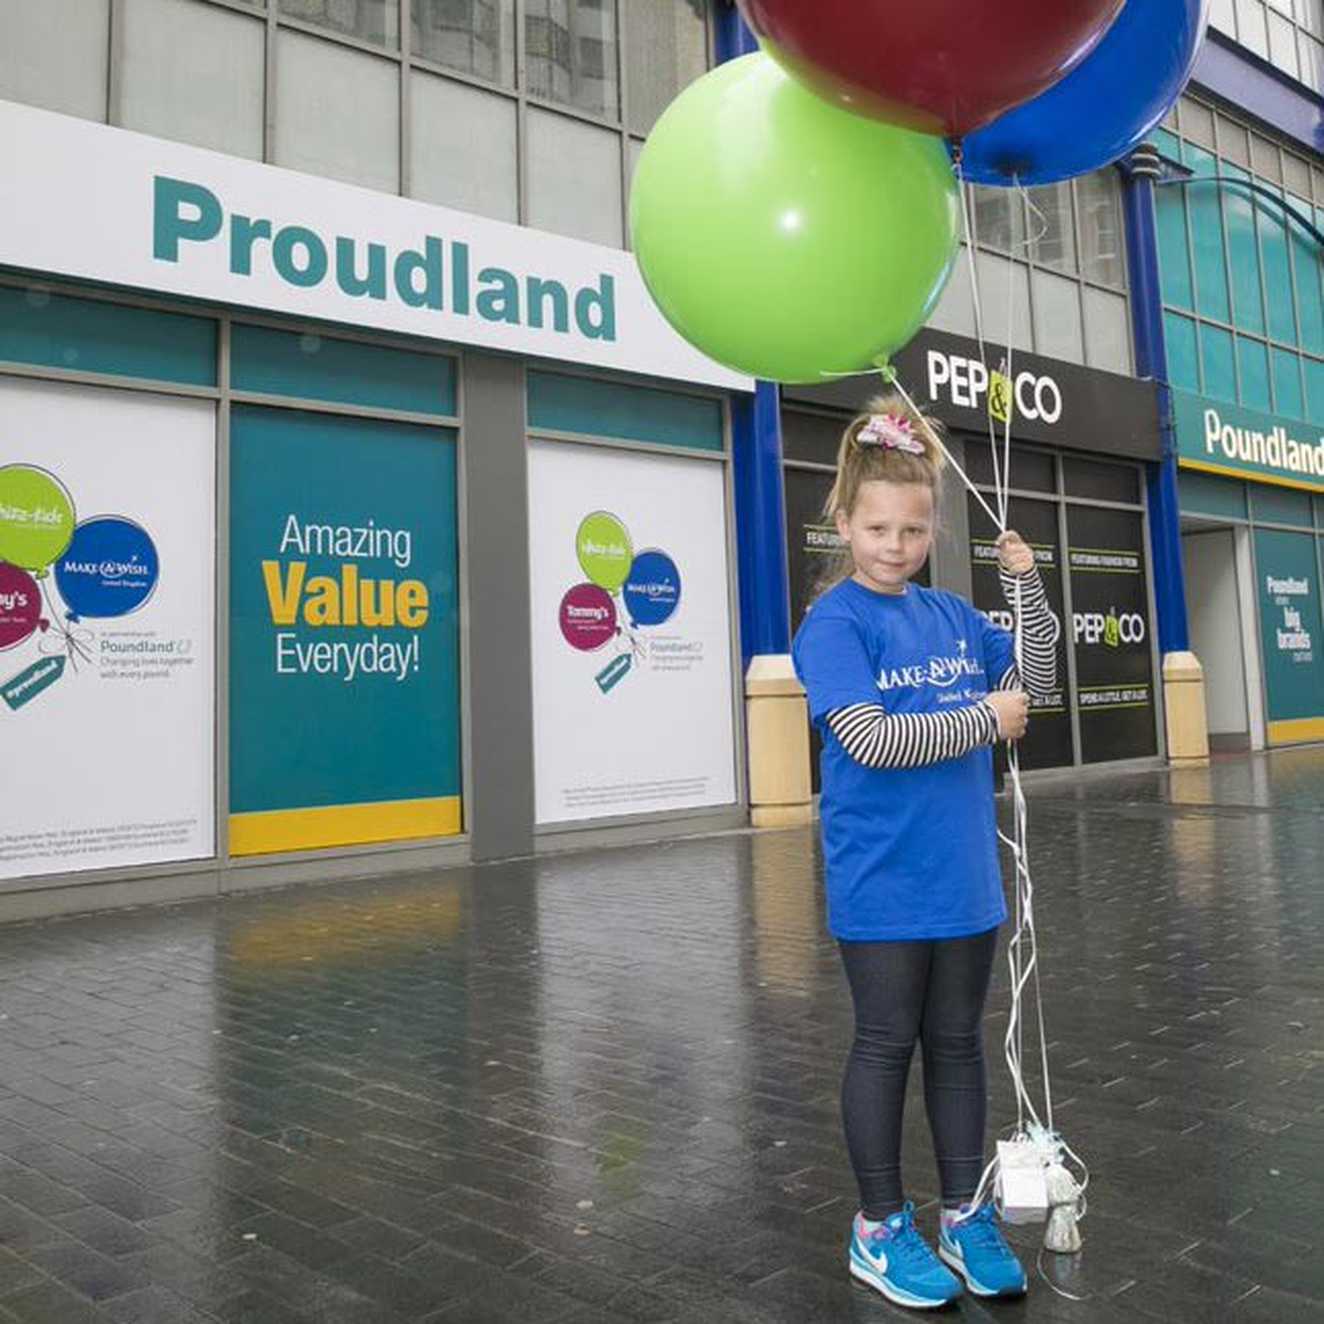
column 344, row 636
column 1287, row 583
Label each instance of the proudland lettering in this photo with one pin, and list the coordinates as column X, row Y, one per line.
column 1273, row 449
column 439, row 274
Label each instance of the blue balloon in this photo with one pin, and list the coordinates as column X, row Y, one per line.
column 652, row 589
column 110, row 568
column 1103, row 108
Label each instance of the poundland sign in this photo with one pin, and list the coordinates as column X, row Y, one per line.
column 87, row 201
column 1242, row 443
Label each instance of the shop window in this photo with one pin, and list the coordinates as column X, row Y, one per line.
column 474, row 36
column 1271, row 504
column 54, row 55
column 316, row 367
column 88, row 335
column 1111, row 631
column 574, row 173
column 376, row 21
column 1033, row 471
column 324, row 132
column 1208, row 494
column 195, row 73
column 1101, row 481
column 462, row 149
column 1319, row 512
column 814, row 438
column 666, row 49
column 1287, row 585
column 594, row 407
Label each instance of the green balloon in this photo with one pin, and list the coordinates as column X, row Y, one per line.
column 36, row 517
column 784, row 237
column 603, row 547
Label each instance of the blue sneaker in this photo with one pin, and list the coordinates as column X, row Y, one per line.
column 898, row 1262
column 976, row 1249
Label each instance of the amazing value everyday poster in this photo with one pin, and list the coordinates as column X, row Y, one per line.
column 107, row 601
column 632, row 690
column 344, row 632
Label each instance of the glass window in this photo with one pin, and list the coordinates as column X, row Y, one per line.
column 1310, row 14
column 1107, row 331
column 1287, row 394
column 956, row 310
column 1100, row 481
column 1279, row 505
column 1219, row 366
column 1032, row 471
column 1253, row 365
column 1233, row 141
column 1314, row 373
column 1312, row 60
column 322, row 131
column 1264, row 155
column 1057, row 317
column 1222, row 16
column 1183, row 348
column 1197, row 122
column 195, row 73
column 999, row 219
column 1174, row 247
column 1243, row 256
column 666, row 49
column 1309, row 303
column 574, row 178
column 1282, row 45
column 1296, row 174
column 1211, row 285
column 1277, row 273
column 1102, row 258
column 1251, row 29
column 1052, row 226
column 54, row 55
column 462, row 149
column 369, row 20
column 474, row 36
column 570, row 53
column 993, row 273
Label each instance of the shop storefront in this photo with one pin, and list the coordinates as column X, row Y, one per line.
column 1252, row 501
column 1080, row 439
column 339, row 531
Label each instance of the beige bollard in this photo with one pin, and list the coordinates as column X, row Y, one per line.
column 780, row 790
column 1188, row 725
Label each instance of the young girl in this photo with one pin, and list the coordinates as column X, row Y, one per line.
column 910, row 688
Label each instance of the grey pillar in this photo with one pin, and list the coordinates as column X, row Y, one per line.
column 497, row 646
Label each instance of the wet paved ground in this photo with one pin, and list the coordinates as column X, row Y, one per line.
column 603, row 1087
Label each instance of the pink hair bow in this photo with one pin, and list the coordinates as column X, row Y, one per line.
column 890, row 431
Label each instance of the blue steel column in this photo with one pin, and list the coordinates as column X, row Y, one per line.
column 756, row 439
column 1139, row 171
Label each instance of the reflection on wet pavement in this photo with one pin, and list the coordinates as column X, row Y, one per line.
column 603, row 1087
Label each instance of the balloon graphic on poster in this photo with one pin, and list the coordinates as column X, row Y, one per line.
column 604, row 550
column 652, row 591
column 20, row 605
column 588, row 617
column 110, row 569
column 36, row 517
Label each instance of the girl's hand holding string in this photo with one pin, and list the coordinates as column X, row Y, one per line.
column 1014, row 554
column 1013, row 711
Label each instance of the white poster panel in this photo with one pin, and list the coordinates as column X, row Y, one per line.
column 188, row 221
column 107, row 610
column 632, row 697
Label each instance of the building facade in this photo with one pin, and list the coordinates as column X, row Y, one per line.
column 360, row 512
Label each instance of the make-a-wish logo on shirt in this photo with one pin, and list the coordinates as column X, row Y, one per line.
column 937, row 671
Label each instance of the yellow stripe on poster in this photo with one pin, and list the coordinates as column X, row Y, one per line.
column 343, row 825
column 1302, row 728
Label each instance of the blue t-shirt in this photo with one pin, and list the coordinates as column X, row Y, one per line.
column 910, row 852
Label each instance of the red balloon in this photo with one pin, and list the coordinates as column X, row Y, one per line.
column 936, row 66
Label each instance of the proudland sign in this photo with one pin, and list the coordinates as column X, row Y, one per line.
column 1242, row 443
column 182, row 220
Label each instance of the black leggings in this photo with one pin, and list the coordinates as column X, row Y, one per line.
column 932, row 991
